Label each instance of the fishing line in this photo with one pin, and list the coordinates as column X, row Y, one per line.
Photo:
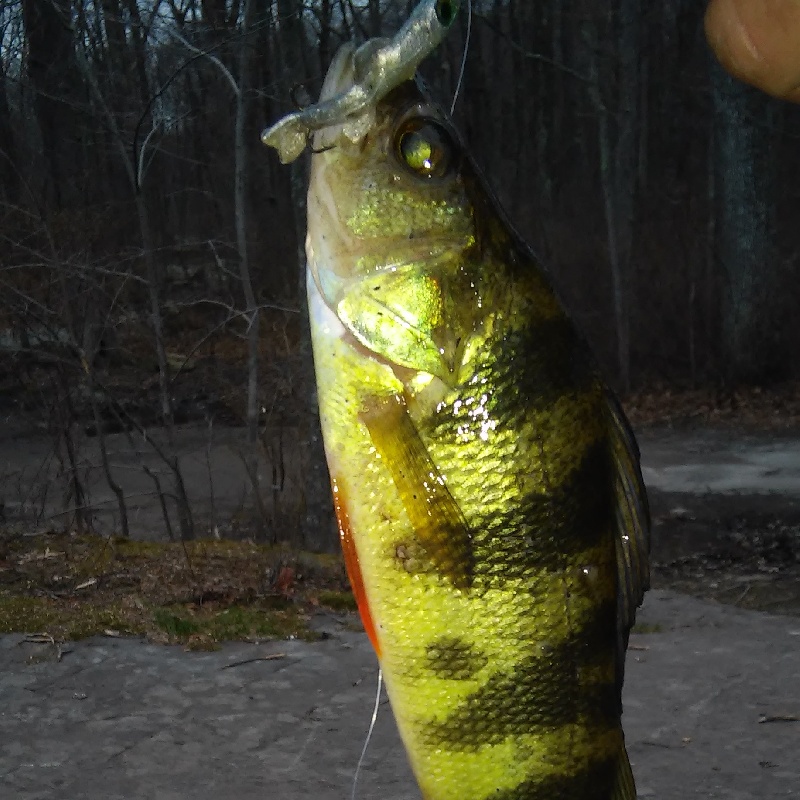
column 463, row 58
column 369, row 733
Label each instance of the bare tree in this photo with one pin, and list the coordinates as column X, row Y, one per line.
column 616, row 125
column 744, row 234
column 144, row 231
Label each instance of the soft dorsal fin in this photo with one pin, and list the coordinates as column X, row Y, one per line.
column 632, row 519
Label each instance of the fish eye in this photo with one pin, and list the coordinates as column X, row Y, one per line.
column 425, row 148
column 445, row 12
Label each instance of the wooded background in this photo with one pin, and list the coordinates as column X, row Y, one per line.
column 151, row 261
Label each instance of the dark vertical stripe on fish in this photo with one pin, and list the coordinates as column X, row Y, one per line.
column 454, row 658
column 594, row 782
column 543, row 531
column 548, row 361
column 543, row 691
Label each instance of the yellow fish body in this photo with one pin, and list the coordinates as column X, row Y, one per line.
column 487, row 488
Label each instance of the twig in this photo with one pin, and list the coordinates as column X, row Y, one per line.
column 525, row 53
column 40, row 638
column 46, row 638
column 161, row 500
column 211, row 57
column 778, row 718
column 213, row 508
column 188, row 560
column 270, row 657
column 742, row 595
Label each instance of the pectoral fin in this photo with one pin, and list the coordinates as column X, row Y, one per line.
column 438, row 522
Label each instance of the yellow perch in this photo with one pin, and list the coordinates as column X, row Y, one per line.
column 486, row 483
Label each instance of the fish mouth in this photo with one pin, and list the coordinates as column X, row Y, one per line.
column 330, row 248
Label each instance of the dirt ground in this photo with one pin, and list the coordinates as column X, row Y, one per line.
column 725, row 501
column 712, row 711
column 712, row 695
column 742, row 550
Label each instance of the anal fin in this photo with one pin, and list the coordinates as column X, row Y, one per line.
column 624, row 786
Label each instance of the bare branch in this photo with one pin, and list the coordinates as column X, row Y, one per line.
column 210, row 56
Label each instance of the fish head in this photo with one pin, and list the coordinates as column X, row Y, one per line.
column 391, row 227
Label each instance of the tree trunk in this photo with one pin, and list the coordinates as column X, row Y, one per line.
column 52, row 73
column 374, row 17
column 318, row 531
column 9, row 177
column 748, row 265
column 241, row 156
column 618, row 168
column 625, row 169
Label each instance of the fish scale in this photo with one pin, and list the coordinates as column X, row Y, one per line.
column 407, row 620
column 487, row 487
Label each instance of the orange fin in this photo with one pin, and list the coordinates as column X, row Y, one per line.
column 438, row 522
column 352, row 565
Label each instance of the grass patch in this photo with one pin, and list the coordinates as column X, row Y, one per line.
column 252, row 622
column 64, row 620
column 338, row 601
column 26, row 614
column 175, row 626
column 205, row 592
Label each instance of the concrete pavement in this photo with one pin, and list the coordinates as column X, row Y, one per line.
column 712, row 694
column 712, row 697
column 702, row 461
